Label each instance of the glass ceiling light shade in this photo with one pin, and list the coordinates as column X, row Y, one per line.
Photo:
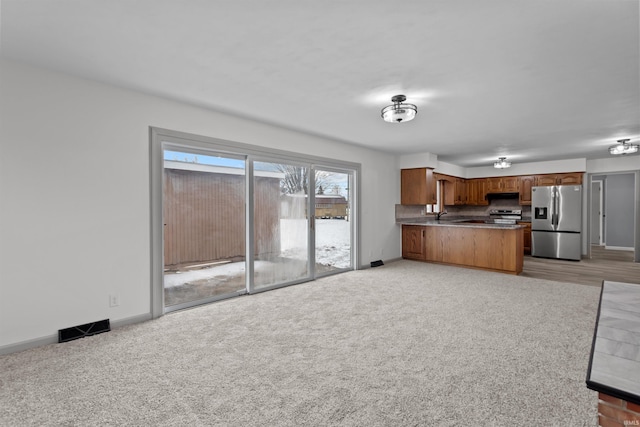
column 502, row 163
column 399, row 112
column 623, row 147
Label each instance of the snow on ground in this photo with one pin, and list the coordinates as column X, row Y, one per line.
column 333, row 241
column 333, row 248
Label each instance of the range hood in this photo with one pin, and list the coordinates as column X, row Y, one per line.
column 502, row 196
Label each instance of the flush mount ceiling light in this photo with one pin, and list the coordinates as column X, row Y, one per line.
column 623, row 147
column 399, row 112
column 502, row 163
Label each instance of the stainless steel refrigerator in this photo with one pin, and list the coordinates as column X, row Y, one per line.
column 556, row 221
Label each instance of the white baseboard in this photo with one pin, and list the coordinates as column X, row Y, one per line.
column 385, row 261
column 29, row 344
column 618, row 248
column 53, row 339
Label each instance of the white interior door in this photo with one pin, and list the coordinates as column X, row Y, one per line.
column 596, row 213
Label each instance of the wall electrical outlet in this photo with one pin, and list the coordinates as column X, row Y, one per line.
column 114, row 300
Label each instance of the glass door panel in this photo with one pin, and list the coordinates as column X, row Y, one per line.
column 333, row 224
column 281, row 224
column 204, row 227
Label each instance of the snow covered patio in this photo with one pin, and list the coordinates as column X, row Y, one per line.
column 333, row 251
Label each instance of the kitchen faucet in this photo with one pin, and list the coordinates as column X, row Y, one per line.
column 439, row 214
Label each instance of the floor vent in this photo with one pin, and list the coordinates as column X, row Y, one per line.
column 376, row 263
column 81, row 331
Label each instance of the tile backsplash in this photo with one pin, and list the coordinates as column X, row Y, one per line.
column 484, row 210
column 412, row 211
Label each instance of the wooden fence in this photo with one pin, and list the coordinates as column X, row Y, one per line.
column 204, row 215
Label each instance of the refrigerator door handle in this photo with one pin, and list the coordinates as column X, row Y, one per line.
column 554, row 207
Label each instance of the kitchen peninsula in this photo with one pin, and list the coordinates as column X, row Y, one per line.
column 464, row 242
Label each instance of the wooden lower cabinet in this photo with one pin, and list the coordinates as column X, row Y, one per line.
column 433, row 244
column 486, row 248
column 459, row 247
column 413, row 242
column 526, row 238
column 499, row 249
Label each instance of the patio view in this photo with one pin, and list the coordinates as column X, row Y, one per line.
column 205, row 226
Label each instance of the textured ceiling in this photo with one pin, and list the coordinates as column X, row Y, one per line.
column 530, row 80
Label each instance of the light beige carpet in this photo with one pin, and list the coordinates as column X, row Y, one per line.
column 406, row 344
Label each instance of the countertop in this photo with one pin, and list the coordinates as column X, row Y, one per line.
column 614, row 366
column 456, row 222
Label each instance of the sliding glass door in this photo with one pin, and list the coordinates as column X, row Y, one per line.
column 204, row 227
column 281, row 224
column 333, row 222
column 231, row 219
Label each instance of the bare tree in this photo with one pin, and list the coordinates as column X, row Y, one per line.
column 296, row 179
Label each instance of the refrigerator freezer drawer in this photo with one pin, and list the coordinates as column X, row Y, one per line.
column 554, row 244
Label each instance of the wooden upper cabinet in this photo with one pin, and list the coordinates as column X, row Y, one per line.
column 510, row 184
column 460, row 190
column 481, row 191
column 476, row 191
column 545, row 180
column 494, row 185
column 524, row 188
column 503, row 184
column 442, row 177
column 455, row 191
column 417, row 186
column 569, row 178
column 472, row 192
column 573, row 178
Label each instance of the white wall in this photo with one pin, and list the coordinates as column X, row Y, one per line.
column 429, row 160
column 418, row 160
column 533, row 168
column 620, row 164
column 619, row 210
column 451, row 169
column 614, row 164
column 74, row 188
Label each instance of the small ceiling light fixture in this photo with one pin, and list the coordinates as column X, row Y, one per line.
column 399, row 112
column 502, row 163
column 623, row 147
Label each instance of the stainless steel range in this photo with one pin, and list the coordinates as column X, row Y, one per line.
column 505, row 216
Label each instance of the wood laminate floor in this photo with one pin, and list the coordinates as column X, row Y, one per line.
column 617, row 266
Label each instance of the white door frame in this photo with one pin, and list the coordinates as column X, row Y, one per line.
column 596, row 193
column 158, row 138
